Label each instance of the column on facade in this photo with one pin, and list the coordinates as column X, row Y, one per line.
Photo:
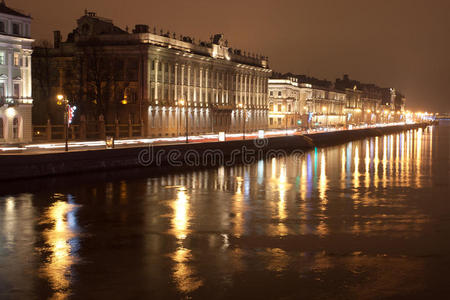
column 201, row 86
column 163, row 95
column 216, row 86
column 9, row 87
column 156, row 63
column 241, row 85
column 176, row 83
column 148, row 78
column 189, row 87
column 182, row 82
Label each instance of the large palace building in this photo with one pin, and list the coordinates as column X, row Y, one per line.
column 15, row 76
column 157, row 79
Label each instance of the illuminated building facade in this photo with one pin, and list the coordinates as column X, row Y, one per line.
column 285, row 108
column 325, row 107
column 160, row 79
column 15, row 76
column 363, row 107
column 294, row 105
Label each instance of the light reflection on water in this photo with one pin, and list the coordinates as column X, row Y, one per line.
column 61, row 244
column 208, row 228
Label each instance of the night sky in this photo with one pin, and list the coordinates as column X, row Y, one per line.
column 399, row 43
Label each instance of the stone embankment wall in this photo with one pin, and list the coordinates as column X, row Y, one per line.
column 18, row 166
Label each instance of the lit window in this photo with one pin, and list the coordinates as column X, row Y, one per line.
column 16, row 59
column 16, row 90
column 15, row 128
column 2, row 58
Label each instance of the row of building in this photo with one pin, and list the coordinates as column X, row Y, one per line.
column 293, row 104
column 158, row 79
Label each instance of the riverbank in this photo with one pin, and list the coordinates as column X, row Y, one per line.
column 19, row 166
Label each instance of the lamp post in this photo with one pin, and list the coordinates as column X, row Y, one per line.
column 184, row 103
column 324, row 110
column 369, row 119
column 244, row 117
column 286, row 121
column 65, row 102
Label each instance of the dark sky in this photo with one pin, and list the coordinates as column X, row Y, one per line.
column 399, row 43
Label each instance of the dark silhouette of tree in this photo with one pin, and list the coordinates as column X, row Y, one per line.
column 45, row 77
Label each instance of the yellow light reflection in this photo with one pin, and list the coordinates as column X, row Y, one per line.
column 356, row 177
column 376, row 162
column 237, row 208
column 323, row 183
column 183, row 274
column 419, row 158
column 282, row 188
column 58, row 267
column 384, row 181
column 322, row 228
column 367, row 167
column 279, row 260
column 303, row 188
column 181, row 214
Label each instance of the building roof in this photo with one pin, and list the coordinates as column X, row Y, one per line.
column 9, row 11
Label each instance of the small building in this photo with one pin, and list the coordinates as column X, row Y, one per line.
column 324, row 107
column 15, row 76
column 284, row 103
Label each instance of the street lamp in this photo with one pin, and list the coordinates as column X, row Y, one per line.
column 324, row 110
column 65, row 102
column 184, row 103
column 244, row 117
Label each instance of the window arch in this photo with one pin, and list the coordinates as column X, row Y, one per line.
column 15, row 128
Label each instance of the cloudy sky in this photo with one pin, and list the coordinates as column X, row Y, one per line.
column 392, row 43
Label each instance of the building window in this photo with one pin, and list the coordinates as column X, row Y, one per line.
column 16, row 29
column 271, row 93
column 15, row 128
column 271, row 121
column 289, row 108
column 279, row 93
column 2, row 26
column 16, row 90
column 2, row 58
column 279, row 107
column 16, row 59
column 2, row 89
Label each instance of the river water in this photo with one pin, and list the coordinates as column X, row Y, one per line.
column 368, row 219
